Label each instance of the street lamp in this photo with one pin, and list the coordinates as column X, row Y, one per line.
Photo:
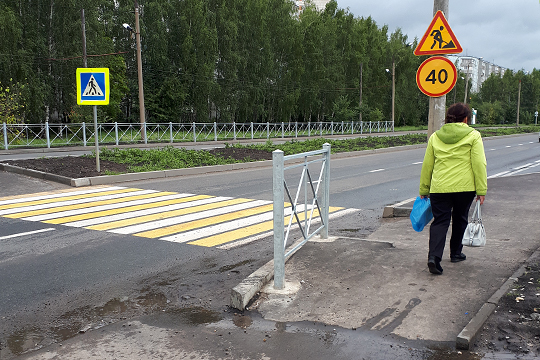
column 394, row 85
column 137, row 33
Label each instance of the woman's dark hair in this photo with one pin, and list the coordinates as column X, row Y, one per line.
column 457, row 112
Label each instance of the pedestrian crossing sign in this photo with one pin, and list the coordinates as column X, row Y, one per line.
column 93, row 86
column 439, row 38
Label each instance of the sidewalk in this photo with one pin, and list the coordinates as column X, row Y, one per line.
column 382, row 283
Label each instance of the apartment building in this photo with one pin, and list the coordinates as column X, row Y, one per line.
column 476, row 69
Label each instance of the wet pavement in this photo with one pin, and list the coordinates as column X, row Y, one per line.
column 365, row 294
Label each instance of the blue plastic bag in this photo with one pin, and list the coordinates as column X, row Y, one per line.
column 421, row 213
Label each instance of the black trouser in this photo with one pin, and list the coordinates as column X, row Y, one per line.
column 445, row 206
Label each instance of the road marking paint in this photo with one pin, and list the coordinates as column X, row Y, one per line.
column 205, row 222
column 508, row 146
column 237, row 243
column 498, row 174
column 376, row 170
column 150, row 219
column 63, row 205
column 418, row 162
column 98, row 212
column 110, row 216
column 47, row 202
column 26, row 233
column 49, row 195
column 491, row 149
column 191, row 215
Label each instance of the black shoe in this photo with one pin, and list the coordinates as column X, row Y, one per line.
column 458, row 257
column 434, row 265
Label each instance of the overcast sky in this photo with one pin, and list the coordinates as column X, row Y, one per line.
column 504, row 32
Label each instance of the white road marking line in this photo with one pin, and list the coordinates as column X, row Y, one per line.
column 26, row 233
column 498, row 174
column 74, row 202
column 520, row 144
column 508, row 146
column 186, row 218
column 416, row 163
column 531, row 142
column 521, row 169
column 491, row 149
column 137, row 213
column 522, row 166
column 96, row 208
column 376, row 170
column 52, row 196
column 250, row 239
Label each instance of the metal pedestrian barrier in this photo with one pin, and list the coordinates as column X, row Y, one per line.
column 303, row 214
column 56, row 135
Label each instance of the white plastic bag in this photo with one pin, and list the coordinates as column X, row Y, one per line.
column 475, row 234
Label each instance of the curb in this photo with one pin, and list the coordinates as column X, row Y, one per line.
column 467, row 336
column 398, row 210
column 242, row 293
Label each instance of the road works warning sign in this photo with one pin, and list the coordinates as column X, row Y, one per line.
column 93, row 86
column 439, row 38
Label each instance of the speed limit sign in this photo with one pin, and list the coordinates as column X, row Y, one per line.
column 436, row 76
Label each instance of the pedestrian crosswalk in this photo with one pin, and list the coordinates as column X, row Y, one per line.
column 201, row 220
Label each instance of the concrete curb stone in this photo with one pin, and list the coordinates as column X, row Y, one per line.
column 467, row 336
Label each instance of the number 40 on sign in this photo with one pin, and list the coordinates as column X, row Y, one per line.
column 436, row 76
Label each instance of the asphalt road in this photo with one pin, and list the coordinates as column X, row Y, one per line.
column 55, row 282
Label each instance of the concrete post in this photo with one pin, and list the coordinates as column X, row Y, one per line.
column 84, row 133
column 325, row 198
column 47, row 134
column 279, row 221
column 116, row 132
column 4, row 126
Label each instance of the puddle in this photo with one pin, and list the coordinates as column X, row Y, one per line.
column 242, row 321
column 153, row 299
column 196, row 315
column 24, row 340
column 230, row 267
column 114, row 306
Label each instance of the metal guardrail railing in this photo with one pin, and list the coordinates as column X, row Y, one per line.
column 56, row 135
column 304, row 213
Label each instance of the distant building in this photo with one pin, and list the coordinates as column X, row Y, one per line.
column 476, row 69
column 319, row 4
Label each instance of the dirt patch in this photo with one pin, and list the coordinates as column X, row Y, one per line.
column 79, row 167
column 514, row 326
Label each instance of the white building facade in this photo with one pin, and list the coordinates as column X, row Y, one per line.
column 476, row 69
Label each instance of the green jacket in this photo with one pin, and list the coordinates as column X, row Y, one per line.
column 454, row 161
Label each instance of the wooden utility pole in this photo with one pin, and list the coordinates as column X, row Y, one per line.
column 519, row 101
column 437, row 105
column 139, row 68
column 360, row 102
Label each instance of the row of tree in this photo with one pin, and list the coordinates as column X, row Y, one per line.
column 222, row 60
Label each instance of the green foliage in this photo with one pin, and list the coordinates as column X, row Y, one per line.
column 161, row 159
column 11, row 103
column 509, row 131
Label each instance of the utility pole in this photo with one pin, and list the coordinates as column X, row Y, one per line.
column 393, row 89
column 360, row 102
column 139, row 66
column 437, row 105
column 466, row 84
column 519, row 100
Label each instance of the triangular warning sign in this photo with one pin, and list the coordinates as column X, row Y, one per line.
column 439, row 38
column 92, row 88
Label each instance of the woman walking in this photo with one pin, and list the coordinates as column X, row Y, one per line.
column 453, row 173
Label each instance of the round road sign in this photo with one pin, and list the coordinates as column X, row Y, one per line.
column 436, row 76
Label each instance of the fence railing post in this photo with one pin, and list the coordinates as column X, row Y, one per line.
column 352, row 127
column 370, row 126
column 251, row 126
column 170, row 133
column 279, row 221
column 4, row 126
column 296, row 129
column 145, row 133
column 378, row 126
column 194, row 133
column 325, row 197
column 267, row 130
column 332, row 126
column 47, row 134
column 342, row 128
column 84, row 133
column 320, row 128
column 234, row 129
column 215, row 131
column 309, row 128
column 116, row 132
column 282, row 130
column 361, row 127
